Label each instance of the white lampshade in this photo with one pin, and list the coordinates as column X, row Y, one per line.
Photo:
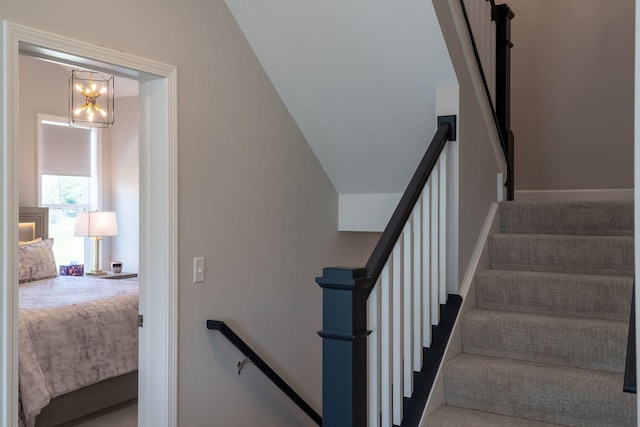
column 96, row 224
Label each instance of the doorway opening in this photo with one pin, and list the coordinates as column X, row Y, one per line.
column 158, row 213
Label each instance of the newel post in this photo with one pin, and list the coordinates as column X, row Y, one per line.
column 344, row 346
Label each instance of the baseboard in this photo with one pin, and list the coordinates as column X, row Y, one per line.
column 588, row 195
column 479, row 260
column 480, row 256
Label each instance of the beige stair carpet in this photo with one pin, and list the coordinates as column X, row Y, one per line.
column 547, row 343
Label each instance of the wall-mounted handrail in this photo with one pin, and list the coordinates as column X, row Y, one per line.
column 630, row 385
column 228, row 333
column 446, row 132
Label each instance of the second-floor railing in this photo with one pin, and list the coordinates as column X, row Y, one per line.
column 394, row 300
column 489, row 27
column 630, row 385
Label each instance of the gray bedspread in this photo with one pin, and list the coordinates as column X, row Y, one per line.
column 73, row 332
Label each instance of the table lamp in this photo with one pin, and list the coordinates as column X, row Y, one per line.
column 96, row 224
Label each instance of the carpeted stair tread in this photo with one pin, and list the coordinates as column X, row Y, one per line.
column 547, row 341
column 451, row 416
column 584, row 218
column 600, row 255
column 546, row 393
column 566, row 341
column 578, row 295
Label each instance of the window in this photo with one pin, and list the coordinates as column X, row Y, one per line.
column 68, row 182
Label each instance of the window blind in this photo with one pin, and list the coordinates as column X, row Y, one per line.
column 66, row 151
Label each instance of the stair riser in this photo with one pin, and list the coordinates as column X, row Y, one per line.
column 584, row 296
column 581, row 343
column 573, row 218
column 547, row 343
column 451, row 416
column 562, row 254
column 549, row 394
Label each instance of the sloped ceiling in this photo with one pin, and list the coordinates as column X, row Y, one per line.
column 359, row 79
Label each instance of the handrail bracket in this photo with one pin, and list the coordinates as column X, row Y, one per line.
column 242, row 363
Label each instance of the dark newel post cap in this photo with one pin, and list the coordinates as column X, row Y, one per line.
column 452, row 125
column 343, row 277
column 344, row 272
column 506, row 11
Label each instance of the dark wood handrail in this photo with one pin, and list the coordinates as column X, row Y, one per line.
column 630, row 364
column 228, row 333
column 382, row 251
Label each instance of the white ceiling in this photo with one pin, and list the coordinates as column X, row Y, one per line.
column 358, row 77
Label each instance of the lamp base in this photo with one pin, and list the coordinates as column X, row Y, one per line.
column 96, row 273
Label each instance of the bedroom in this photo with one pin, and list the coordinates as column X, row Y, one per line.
column 44, row 91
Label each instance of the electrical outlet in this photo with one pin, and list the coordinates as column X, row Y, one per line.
column 198, row 270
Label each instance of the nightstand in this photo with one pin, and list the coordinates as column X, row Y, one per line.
column 123, row 275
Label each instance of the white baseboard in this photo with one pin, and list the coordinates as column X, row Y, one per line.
column 479, row 260
column 587, row 195
column 480, row 256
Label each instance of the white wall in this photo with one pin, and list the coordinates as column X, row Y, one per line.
column 253, row 201
column 43, row 89
column 359, row 78
column 572, row 93
column 122, row 140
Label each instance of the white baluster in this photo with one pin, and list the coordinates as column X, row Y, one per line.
column 407, row 312
column 417, row 286
column 442, row 266
column 386, row 358
column 426, row 264
column 398, row 302
column 486, row 28
column 492, row 60
column 435, row 237
column 478, row 34
column 470, row 5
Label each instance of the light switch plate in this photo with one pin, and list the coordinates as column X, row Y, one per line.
column 198, row 270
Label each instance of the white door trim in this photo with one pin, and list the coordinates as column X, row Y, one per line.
column 158, row 216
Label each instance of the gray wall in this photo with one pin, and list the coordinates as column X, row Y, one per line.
column 478, row 165
column 253, row 201
column 572, row 93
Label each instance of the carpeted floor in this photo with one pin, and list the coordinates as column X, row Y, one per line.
column 124, row 416
column 546, row 344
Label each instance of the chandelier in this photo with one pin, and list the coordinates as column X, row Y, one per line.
column 90, row 99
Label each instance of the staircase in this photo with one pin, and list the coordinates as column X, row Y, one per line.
column 546, row 344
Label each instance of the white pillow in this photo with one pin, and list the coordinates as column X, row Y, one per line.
column 36, row 261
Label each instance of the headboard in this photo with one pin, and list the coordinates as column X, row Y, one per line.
column 33, row 222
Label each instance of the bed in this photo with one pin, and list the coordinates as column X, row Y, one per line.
column 78, row 336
